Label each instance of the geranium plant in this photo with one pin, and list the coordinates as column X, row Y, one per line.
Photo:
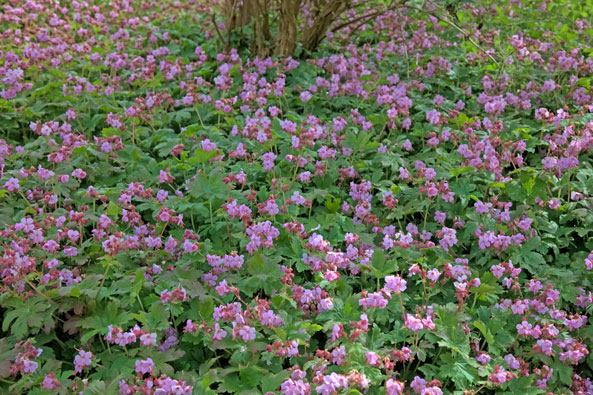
column 407, row 210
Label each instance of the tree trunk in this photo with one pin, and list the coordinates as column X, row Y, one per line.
column 287, row 28
column 261, row 28
column 323, row 20
column 238, row 13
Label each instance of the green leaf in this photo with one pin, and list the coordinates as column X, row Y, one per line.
column 333, row 205
column 251, row 376
column 201, row 156
column 485, row 331
column 457, row 172
column 209, row 186
column 378, row 259
column 158, row 318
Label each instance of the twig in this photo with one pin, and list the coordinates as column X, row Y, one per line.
column 461, row 30
column 103, row 280
column 367, row 16
column 217, row 30
column 401, row 304
column 405, row 46
column 479, row 389
column 44, row 296
column 228, row 37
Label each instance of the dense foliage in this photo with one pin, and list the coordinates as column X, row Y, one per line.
column 409, row 210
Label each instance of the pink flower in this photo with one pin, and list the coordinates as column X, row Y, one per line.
column 554, row 204
column 148, row 339
column 434, row 117
column 395, row 284
column 51, row 246
column 482, row 208
column 337, row 332
column 79, row 173
column 373, row 300
column 189, row 247
column 71, row 114
column 407, row 145
column 413, row 323
column 222, row 288
column 190, row 327
column 245, row 332
column 499, row 376
column 219, row 333
column 306, row 96
column 549, row 162
column 338, row 355
column 438, row 100
column 372, row 358
column 431, row 391
column 70, row 251
column 433, row 275
column 268, row 161
column 589, row 261
column 512, row 361
column 440, row 217
column 208, row 146
column 50, row 382
column 29, row 366
column 82, row 360
column 166, row 296
column 394, row 387
column 418, row 384
column 144, row 366
column 12, row 185
column 483, row 358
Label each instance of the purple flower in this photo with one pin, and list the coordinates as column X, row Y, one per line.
column 268, row 161
column 208, row 146
column 144, row 366
column 483, row 358
column 82, row 360
column 433, row 275
column 70, row 251
column 481, row 207
column 394, row 387
column 438, row 100
column 29, row 366
column 434, row 117
column 306, row 96
column 407, row 145
column 12, row 185
column 413, row 323
column 395, row 284
column 440, row 217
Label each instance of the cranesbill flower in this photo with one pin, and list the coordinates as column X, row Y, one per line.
column 144, row 366
column 12, row 185
column 394, row 387
column 395, row 284
column 50, row 382
column 82, row 360
column 413, row 323
column 268, row 161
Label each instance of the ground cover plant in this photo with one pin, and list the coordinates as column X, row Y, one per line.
column 407, row 209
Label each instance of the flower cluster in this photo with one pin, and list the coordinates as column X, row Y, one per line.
column 184, row 213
